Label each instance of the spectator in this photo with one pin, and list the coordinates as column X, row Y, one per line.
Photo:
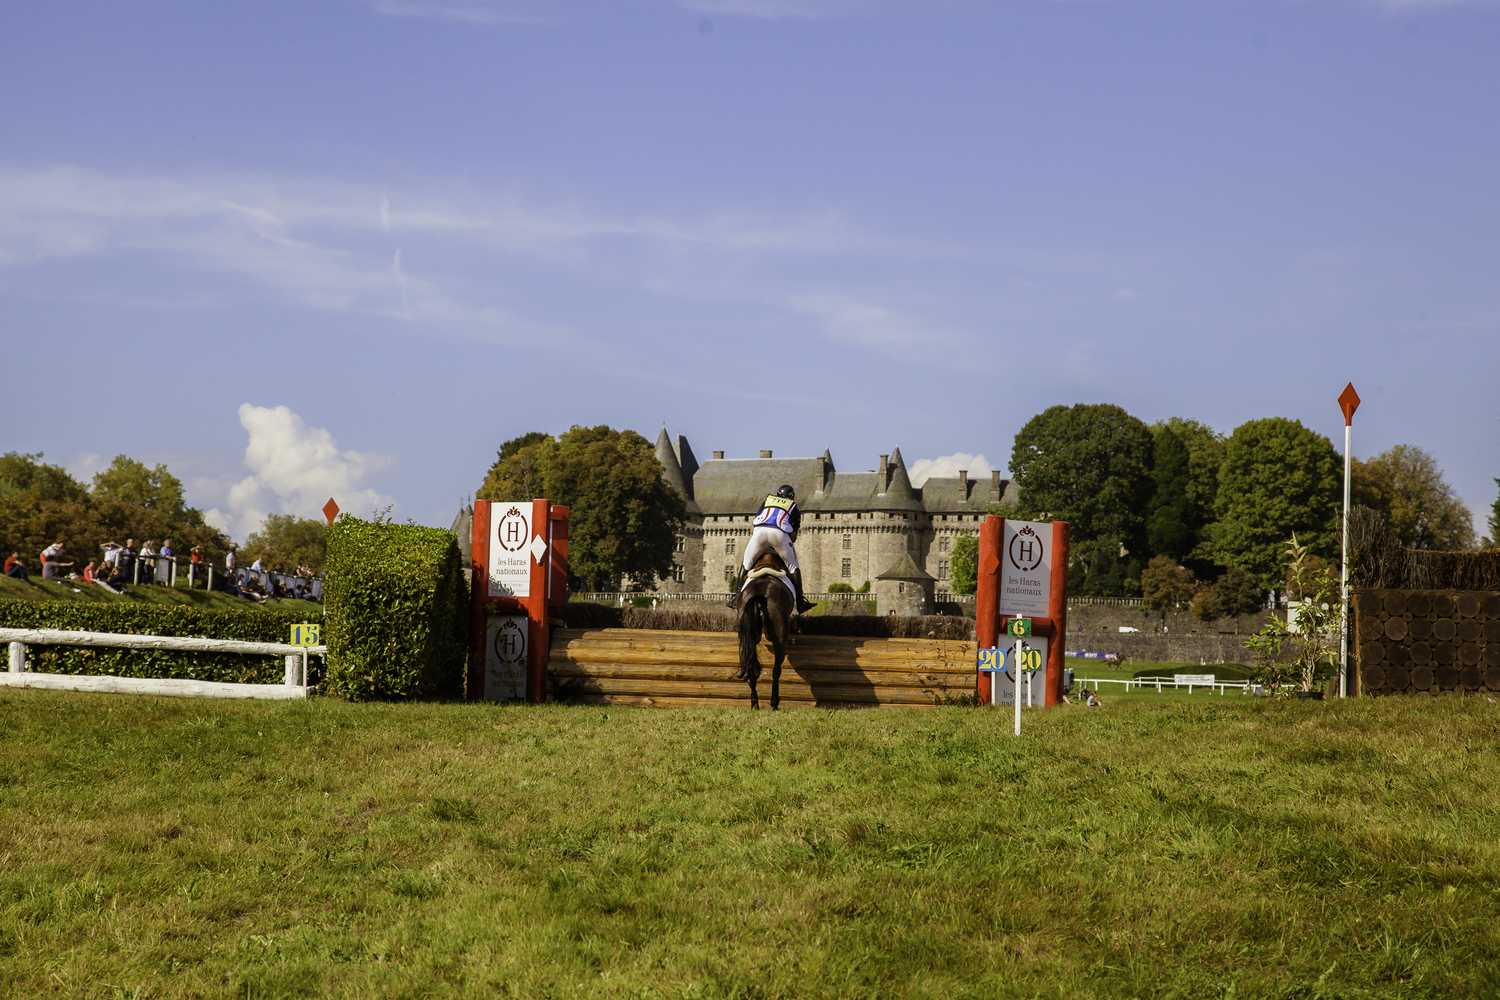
column 229, row 562
column 195, row 558
column 88, row 571
column 148, row 561
column 15, row 566
column 166, row 548
column 256, row 567
column 125, row 562
column 52, row 564
column 111, row 555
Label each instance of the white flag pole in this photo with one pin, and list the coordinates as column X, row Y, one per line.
column 1348, row 402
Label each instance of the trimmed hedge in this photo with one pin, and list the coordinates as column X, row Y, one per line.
column 581, row 614
column 250, row 624
column 1378, row 562
column 396, row 611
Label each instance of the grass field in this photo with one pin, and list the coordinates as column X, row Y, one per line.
column 37, row 589
column 1230, row 847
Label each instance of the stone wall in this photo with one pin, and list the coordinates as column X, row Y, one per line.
column 1425, row 641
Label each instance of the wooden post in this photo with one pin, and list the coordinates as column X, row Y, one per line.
column 987, row 596
column 1058, row 600
column 17, row 657
column 537, row 630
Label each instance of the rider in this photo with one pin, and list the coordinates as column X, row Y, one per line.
column 776, row 528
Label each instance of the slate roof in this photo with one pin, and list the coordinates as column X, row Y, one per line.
column 737, row 486
column 905, row 568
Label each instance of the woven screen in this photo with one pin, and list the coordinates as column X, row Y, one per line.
column 1426, row 641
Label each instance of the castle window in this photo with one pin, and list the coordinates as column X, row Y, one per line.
column 942, row 569
column 848, row 541
column 846, row 569
column 678, row 573
column 729, row 546
column 729, row 572
column 943, row 543
column 680, row 545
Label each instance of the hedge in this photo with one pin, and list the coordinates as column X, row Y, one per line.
column 250, row 624
column 1378, row 562
column 395, row 606
column 581, row 614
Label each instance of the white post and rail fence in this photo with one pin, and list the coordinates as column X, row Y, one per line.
column 293, row 685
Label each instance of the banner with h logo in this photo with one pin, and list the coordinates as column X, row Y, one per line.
column 1026, row 569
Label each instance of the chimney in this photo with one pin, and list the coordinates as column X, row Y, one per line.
column 963, row 482
column 822, row 473
column 765, row 453
column 995, row 484
column 719, row 457
column 885, row 472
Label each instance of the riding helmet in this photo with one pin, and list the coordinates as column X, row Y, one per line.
column 786, row 492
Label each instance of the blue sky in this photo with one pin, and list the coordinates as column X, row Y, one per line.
column 350, row 247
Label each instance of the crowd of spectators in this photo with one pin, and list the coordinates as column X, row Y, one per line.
column 121, row 566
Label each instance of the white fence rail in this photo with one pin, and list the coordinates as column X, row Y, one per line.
column 293, row 685
column 1163, row 684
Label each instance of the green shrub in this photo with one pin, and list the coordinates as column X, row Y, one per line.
column 250, row 624
column 840, row 587
column 396, row 608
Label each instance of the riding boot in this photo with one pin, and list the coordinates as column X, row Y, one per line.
column 803, row 604
column 734, row 589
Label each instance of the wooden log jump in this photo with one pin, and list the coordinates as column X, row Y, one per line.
column 657, row 667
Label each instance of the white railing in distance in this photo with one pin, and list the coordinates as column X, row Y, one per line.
column 293, row 685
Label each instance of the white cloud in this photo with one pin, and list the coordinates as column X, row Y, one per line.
column 469, row 13
column 862, row 321
column 86, row 466
column 294, row 469
column 948, row 467
column 771, row 10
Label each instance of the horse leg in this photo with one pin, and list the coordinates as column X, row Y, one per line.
column 776, row 679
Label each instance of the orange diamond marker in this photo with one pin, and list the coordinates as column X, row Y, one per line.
column 1349, row 402
column 330, row 511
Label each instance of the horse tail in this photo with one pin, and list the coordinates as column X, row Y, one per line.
column 749, row 628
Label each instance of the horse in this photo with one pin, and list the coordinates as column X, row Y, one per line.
column 765, row 606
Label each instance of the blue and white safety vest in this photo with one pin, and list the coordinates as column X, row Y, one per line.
column 776, row 512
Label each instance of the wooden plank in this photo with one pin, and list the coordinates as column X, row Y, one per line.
column 800, row 661
column 790, row 689
column 667, row 701
column 171, row 687
column 694, row 672
column 187, row 644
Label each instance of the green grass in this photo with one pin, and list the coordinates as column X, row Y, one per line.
column 37, row 589
column 1210, row 848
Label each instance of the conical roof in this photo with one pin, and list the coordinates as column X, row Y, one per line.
column 905, row 568
column 671, row 470
column 898, row 493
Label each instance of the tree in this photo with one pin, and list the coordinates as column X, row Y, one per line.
column 287, row 542
column 1194, row 509
column 520, row 469
column 624, row 518
column 1495, row 520
column 963, row 567
column 131, row 482
column 1089, row 465
column 38, row 504
column 1171, row 524
column 1165, row 585
column 1405, row 484
column 1234, row 593
column 1305, row 652
column 1278, row 479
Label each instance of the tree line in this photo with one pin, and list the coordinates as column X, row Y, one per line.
column 41, row 503
column 1173, row 509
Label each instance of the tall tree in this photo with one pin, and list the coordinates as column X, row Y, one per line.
column 287, row 542
column 1165, row 585
column 625, row 517
column 1278, row 479
column 1205, row 448
column 1171, row 524
column 133, row 482
column 1089, row 464
column 1406, row 485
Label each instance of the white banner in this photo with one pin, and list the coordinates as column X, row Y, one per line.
column 510, row 540
column 505, row 658
column 1026, row 569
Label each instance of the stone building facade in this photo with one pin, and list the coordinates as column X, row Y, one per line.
column 856, row 526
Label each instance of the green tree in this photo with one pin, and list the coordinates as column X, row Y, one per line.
column 39, row 504
column 1205, row 448
column 1171, row 524
column 1278, row 479
column 624, row 518
column 1495, row 519
column 1166, row 585
column 1405, row 484
column 132, row 482
column 963, row 567
column 287, row 542
column 1088, row 464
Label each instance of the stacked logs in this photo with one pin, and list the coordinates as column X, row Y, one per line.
column 1426, row 641
column 658, row 667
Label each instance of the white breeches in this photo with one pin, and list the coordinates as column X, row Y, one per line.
column 767, row 539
